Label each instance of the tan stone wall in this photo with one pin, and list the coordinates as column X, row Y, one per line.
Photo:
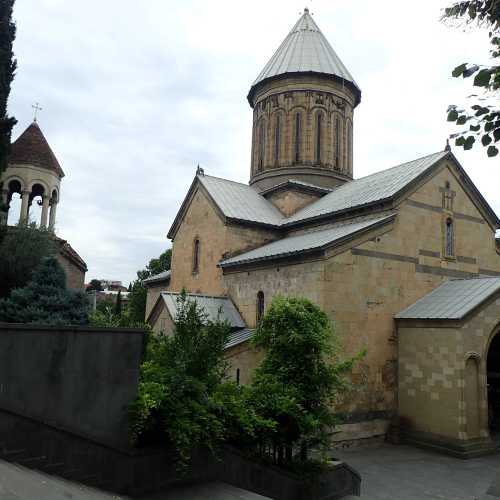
column 75, row 277
column 245, row 358
column 217, row 241
column 290, row 201
column 153, row 292
column 437, row 366
column 362, row 288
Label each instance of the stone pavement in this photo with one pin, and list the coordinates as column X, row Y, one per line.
column 19, row 483
column 405, row 473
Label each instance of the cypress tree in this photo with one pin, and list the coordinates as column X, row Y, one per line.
column 8, row 65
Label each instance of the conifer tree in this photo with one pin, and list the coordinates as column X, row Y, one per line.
column 45, row 299
column 8, row 65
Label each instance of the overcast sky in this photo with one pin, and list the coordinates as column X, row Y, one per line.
column 136, row 93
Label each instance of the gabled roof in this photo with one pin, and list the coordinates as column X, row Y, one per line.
column 452, row 300
column 373, row 188
column 157, row 278
column 211, row 305
column 305, row 50
column 305, row 243
column 236, row 202
column 31, row 148
column 299, row 185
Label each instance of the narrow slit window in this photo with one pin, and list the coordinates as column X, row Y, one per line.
column 237, row 376
column 277, row 139
column 297, row 138
column 260, row 306
column 262, row 145
column 449, row 238
column 318, row 137
column 337, row 142
column 196, row 256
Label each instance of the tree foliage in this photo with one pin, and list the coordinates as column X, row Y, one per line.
column 8, row 67
column 45, row 299
column 21, row 251
column 95, row 285
column 483, row 117
column 179, row 380
column 299, row 380
column 138, row 293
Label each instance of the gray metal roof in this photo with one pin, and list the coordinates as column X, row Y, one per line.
column 452, row 300
column 307, row 186
column 160, row 277
column 238, row 337
column 211, row 306
column 366, row 190
column 240, row 201
column 310, row 241
column 304, row 50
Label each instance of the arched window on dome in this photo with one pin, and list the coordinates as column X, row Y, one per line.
column 449, row 238
column 262, row 145
column 260, row 306
column 349, row 145
column 319, row 127
column 277, row 138
column 298, row 138
column 196, row 256
column 336, row 142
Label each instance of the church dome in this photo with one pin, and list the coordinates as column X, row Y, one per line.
column 31, row 148
column 305, row 50
column 303, row 113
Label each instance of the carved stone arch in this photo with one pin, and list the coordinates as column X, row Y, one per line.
column 319, row 134
column 261, row 144
column 300, row 107
column 349, row 146
column 15, row 178
column 54, row 194
column 337, row 130
column 39, row 182
column 277, row 136
column 472, row 395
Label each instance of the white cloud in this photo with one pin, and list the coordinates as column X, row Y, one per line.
column 135, row 94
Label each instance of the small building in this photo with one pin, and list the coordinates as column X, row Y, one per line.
column 238, row 351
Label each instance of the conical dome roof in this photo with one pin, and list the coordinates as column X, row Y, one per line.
column 305, row 50
column 31, row 148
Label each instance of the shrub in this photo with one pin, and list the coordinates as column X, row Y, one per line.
column 299, row 380
column 45, row 299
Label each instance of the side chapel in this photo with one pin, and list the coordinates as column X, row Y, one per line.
column 404, row 261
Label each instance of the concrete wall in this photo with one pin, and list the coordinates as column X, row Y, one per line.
column 78, row 379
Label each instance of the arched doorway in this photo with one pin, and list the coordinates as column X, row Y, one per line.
column 493, row 381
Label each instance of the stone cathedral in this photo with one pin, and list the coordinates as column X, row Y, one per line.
column 404, row 261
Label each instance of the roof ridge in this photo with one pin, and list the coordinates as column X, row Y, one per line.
column 396, row 166
column 223, row 179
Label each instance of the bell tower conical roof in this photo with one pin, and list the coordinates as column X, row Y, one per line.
column 31, row 148
column 305, row 50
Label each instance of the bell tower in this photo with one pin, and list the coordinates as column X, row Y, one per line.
column 303, row 112
column 35, row 174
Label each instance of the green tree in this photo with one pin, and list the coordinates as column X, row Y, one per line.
column 118, row 304
column 178, row 400
column 483, row 117
column 21, row 251
column 45, row 299
column 8, row 67
column 300, row 378
column 95, row 285
column 138, row 293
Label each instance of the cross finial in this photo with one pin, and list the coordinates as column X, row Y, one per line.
column 37, row 108
column 447, row 147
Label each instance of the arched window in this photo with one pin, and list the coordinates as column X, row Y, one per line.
column 260, row 306
column 337, row 142
column 298, row 131
column 319, row 120
column 277, row 139
column 262, row 144
column 349, row 144
column 196, row 256
column 449, row 245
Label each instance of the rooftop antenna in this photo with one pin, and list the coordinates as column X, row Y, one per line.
column 37, row 108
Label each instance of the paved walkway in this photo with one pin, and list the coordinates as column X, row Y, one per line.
column 406, row 473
